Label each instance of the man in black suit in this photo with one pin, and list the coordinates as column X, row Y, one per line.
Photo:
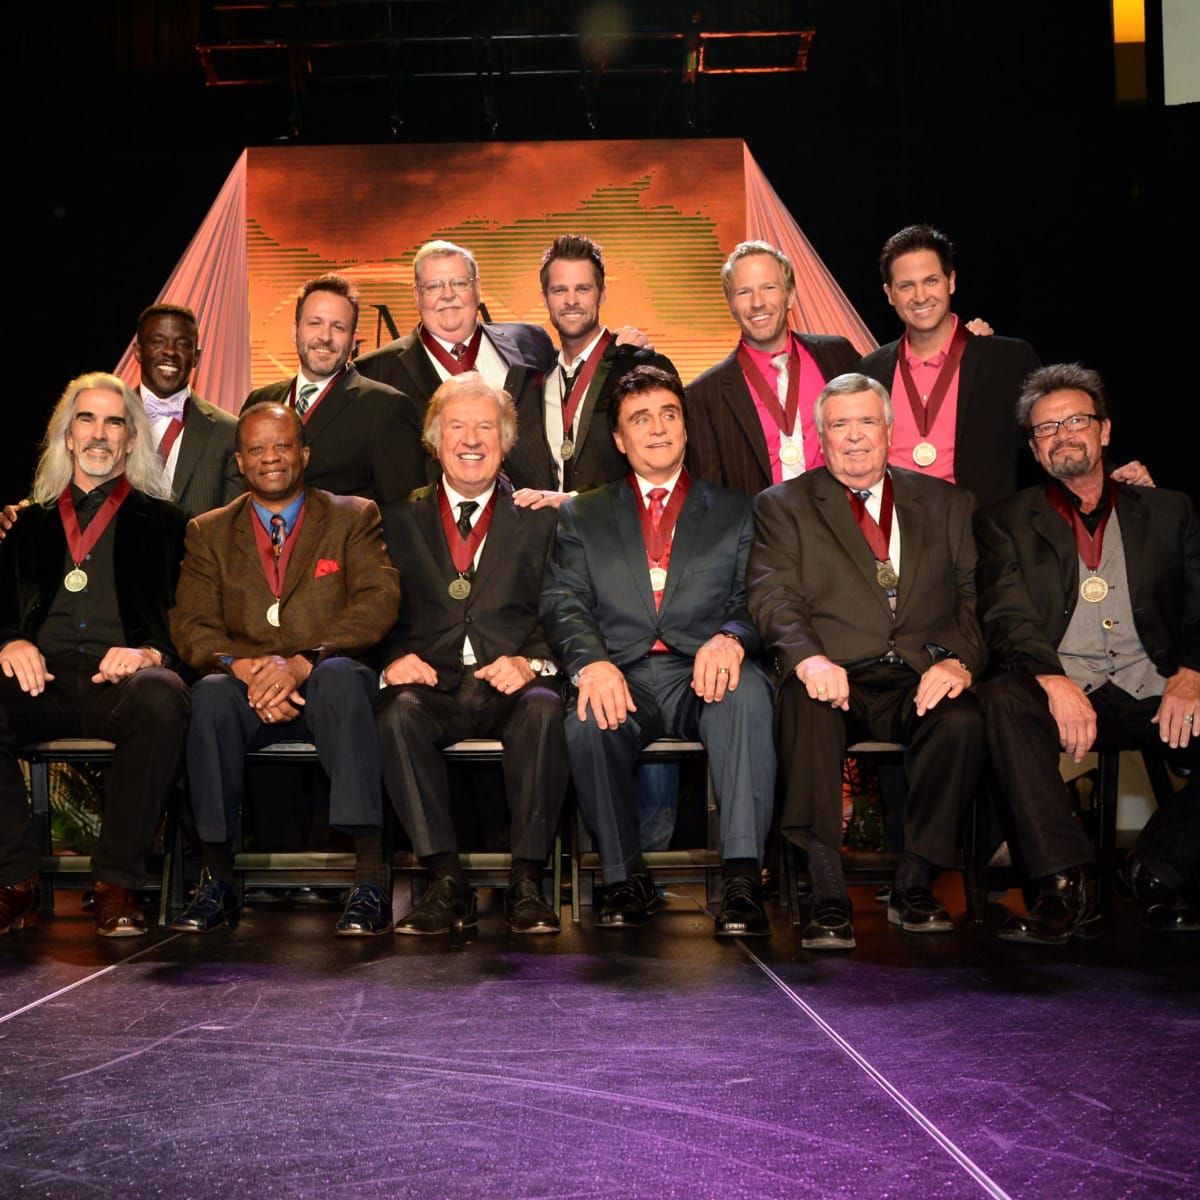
column 565, row 444
column 364, row 436
column 861, row 580
column 1089, row 594
column 194, row 439
column 450, row 338
column 750, row 417
column 468, row 658
column 86, row 579
column 645, row 607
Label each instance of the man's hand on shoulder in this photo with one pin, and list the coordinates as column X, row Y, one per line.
column 1133, row 473
column 8, row 516
column 631, row 335
column 602, row 687
column 979, row 327
column 538, row 498
column 717, row 668
column 1179, row 710
column 24, row 662
column 509, row 673
column 411, row 668
column 825, row 681
column 1072, row 712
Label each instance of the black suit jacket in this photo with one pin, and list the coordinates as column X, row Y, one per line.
column 811, row 577
column 726, row 443
column 596, row 459
column 501, row 613
column 987, row 441
column 206, row 470
column 1029, row 578
column 147, row 550
column 597, row 603
column 365, row 438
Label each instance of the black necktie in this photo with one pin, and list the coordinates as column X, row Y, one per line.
column 568, row 383
column 465, row 509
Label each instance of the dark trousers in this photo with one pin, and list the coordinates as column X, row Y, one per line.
column 415, row 722
column 736, row 733
column 144, row 715
column 1024, row 746
column 943, row 760
column 337, row 717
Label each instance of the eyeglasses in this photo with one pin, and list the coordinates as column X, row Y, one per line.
column 435, row 287
column 1072, row 424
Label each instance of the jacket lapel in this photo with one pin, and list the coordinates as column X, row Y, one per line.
column 333, row 404
column 495, row 546
column 428, row 520
column 308, row 542
column 1050, row 526
column 633, row 548
column 196, row 432
column 603, row 367
column 834, row 508
column 505, row 345
column 687, row 536
column 968, row 370
column 1131, row 513
column 736, row 396
column 910, row 509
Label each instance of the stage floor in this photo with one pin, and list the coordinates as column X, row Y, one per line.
column 281, row 1062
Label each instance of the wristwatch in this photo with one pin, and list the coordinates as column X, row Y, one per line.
column 542, row 666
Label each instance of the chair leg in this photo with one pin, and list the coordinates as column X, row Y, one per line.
column 1107, row 790
column 39, row 796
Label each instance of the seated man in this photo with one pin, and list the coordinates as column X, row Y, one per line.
column 861, row 580
column 1089, row 594
column 645, row 607
column 468, row 658
column 281, row 591
column 86, row 579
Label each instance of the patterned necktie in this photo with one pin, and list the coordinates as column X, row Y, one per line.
column 305, row 398
column 459, row 350
column 465, row 509
column 656, row 496
column 864, row 496
column 278, row 534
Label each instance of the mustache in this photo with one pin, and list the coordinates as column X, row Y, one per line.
column 98, row 444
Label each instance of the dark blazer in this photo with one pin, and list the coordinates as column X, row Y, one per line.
column 365, row 438
column 596, row 459
column 1029, row 578
column 989, row 455
column 340, row 593
column 811, row 576
column 147, row 550
column 206, row 471
column 501, row 613
column 597, row 603
column 726, row 443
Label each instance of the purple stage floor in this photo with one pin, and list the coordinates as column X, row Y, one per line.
column 280, row 1062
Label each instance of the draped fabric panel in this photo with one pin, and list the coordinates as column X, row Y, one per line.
column 211, row 279
column 820, row 305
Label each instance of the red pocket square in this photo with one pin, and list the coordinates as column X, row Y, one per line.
column 326, row 566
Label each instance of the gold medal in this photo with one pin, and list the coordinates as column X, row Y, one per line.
column 789, row 453
column 924, row 454
column 75, row 581
column 459, row 588
column 566, row 449
column 1093, row 589
column 273, row 615
column 885, row 575
column 658, row 579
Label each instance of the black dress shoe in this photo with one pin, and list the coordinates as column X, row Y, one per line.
column 213, row 907
column 1163, row 911
column 526, row 910
column 629, row 903
column 1066, row 907
column 917, row 911
column 368, row 912
column 448, row 905
column 19, row 903
column 829, row 927
column 742, row 913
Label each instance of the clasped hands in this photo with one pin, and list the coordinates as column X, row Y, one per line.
column 273, row 685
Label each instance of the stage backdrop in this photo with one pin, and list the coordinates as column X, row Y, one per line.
column 666, row 212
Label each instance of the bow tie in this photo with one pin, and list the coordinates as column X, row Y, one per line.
column 157, row 408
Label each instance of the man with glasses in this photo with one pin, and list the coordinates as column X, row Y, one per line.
column 1089, row 596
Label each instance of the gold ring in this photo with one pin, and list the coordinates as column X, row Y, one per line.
column 722, row 670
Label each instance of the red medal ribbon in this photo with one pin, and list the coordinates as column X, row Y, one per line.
column 784, row 418
column 925, row 413
column 878, row 535
column 462, row 550
column 1090, row 545
column 80, row 543
column 171, row 433
column 275, row 569
column 454, row 365
column 312, row 404
column 583, row 380
column 658, row 541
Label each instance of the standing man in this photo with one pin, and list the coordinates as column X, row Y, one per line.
column 364, row 437
column 645, row 608
column 86, row 578
column 862, row 582
column 194, row 439
column 1089, row 594
column 565, row 444
column 282, row 592
column 751, row 416
column 468, row 658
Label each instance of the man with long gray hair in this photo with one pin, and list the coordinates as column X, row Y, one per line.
column 89, row 574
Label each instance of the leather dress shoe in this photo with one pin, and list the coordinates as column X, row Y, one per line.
column 629, row 903
column 829, row 927
column 742, row 913
column 213, row 907
column 1066, row 907
column 917, row 911
column 19, row 903
column 117, row 911
column 448, row 905
column 1163, row 911
column 526, row 910
column 368, row 912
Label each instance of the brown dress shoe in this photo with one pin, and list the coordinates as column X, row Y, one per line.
column 117, row 912
column 19, row 904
